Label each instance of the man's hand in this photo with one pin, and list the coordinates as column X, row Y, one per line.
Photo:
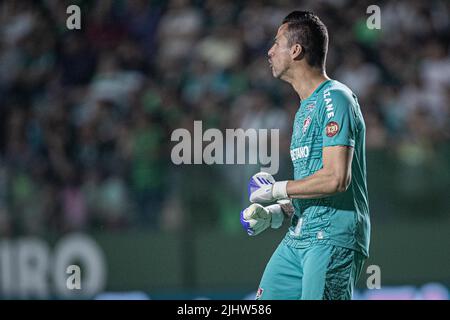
column 263, row 189
column 287, row 208
column 256, row 218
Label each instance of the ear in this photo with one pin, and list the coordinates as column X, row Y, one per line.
column 297, row 52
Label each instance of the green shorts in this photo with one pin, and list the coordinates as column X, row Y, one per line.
column 318, row 272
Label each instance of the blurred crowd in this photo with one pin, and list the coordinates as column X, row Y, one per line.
column 86, row 115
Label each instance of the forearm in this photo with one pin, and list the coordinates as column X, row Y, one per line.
column 321, row 184
column 334, row 177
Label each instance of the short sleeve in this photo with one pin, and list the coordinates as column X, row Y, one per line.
column 338, row 120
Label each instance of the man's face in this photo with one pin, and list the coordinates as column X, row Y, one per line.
column 279, row 54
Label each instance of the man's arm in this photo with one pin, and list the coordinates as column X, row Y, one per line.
column 339, row 132
column 334, row 177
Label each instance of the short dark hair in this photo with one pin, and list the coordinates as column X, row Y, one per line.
column 306, row 29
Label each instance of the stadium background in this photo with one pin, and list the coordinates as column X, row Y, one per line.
column 86, row 116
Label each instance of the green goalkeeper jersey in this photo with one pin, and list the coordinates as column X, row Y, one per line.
column 331, row 116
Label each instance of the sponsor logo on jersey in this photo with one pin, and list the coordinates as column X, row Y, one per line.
column 332, row 129
column 306, row 124
column 328, row 103
column 259, row 293
column 299, row 153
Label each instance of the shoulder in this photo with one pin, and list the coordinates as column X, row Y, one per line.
column 338, row 93
column 338, row 102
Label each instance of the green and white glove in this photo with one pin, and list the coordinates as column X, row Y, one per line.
column 262, row 188
column 256, row 218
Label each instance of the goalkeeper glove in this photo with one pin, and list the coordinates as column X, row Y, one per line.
column 262, row 188
column 256, row 218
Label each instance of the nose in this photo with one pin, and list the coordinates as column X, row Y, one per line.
column 270, row 52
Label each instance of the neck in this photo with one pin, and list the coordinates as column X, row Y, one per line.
column 306, row 80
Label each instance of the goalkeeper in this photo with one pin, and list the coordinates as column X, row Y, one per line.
column 322, row 254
